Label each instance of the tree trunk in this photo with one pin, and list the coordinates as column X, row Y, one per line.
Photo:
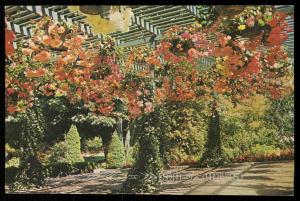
column 106, row 140
column 127, row 141
column 120, row 129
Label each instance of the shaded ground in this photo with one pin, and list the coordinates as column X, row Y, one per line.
column 252, row 178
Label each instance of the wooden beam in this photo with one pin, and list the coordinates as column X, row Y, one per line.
column 140, row 41
column 193, row 10
column 41, row 10
column 145, row 24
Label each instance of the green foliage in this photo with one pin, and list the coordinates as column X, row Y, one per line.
column 145, row 174
column 11, row 152
column 130, row 156
column 280, row 117
column 69, row 150
column 149, row 132
column 30, row 171
column 57, row 153
column 94, row 119
column 173, row 133
column 29, row 174
column 187, row 129
column 10, row 174
column 263, row 150
column 116, row 152
column 13, row 162
column 232, row 152
column 94, row 158
column 54, row 170
column 257, row 121
column 92, row 145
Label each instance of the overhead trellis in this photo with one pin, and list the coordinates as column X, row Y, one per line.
column 149, row 22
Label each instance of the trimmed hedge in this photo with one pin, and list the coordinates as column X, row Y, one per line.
column 250, row 157
column 116, row 152
column 64, row 169
column 56, row 169
column 67, row 151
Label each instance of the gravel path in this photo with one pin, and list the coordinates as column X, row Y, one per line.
column 251, row 178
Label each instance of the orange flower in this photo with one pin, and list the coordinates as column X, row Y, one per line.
column 53, row 29
column 78, row 39
column 11, row 109
column 43, row 56
column 36, row 73
column 69, row 59
column 41, row 72
column 33, row 46
column 56, row 43
column 193, row 52
column 46, row 40
column 61, row 30
column 27, row 51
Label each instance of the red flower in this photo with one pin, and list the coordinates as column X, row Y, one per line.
column 10, row 91
column 9, row 38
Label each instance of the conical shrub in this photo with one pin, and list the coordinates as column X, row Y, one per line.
column 67, row 151
column 116, row 152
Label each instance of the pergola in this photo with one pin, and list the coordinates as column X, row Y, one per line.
column 149, row 22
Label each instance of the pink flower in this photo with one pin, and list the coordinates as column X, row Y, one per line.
column 186, row 35
column 193, row 52
column 146, row 92
column 139, row 93
column 140, row 103
column 250, row 21
column 148, row 107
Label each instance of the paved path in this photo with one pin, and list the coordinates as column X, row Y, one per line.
column 260, row 178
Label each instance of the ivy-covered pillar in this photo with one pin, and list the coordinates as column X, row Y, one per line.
column 213, row 154
column 146, row 172
column 30, row 172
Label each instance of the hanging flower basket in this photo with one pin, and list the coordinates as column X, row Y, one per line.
column 252, row 31
column 94, row 10
column 229, row 10
column 184, row 44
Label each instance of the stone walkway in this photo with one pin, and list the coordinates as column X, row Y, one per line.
column 252, row 178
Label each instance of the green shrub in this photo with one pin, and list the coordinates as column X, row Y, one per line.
column 10, row 174
column 264, row 150
column 116, row 152
column 129, row 157
column 57, row 153
column 184, row 126
column 59, row 169
column 232, row 152
column 64, row 169
column 92, row 145
column 30, row 170
column 30, row 173
column 67, row 151
column 96, row 159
